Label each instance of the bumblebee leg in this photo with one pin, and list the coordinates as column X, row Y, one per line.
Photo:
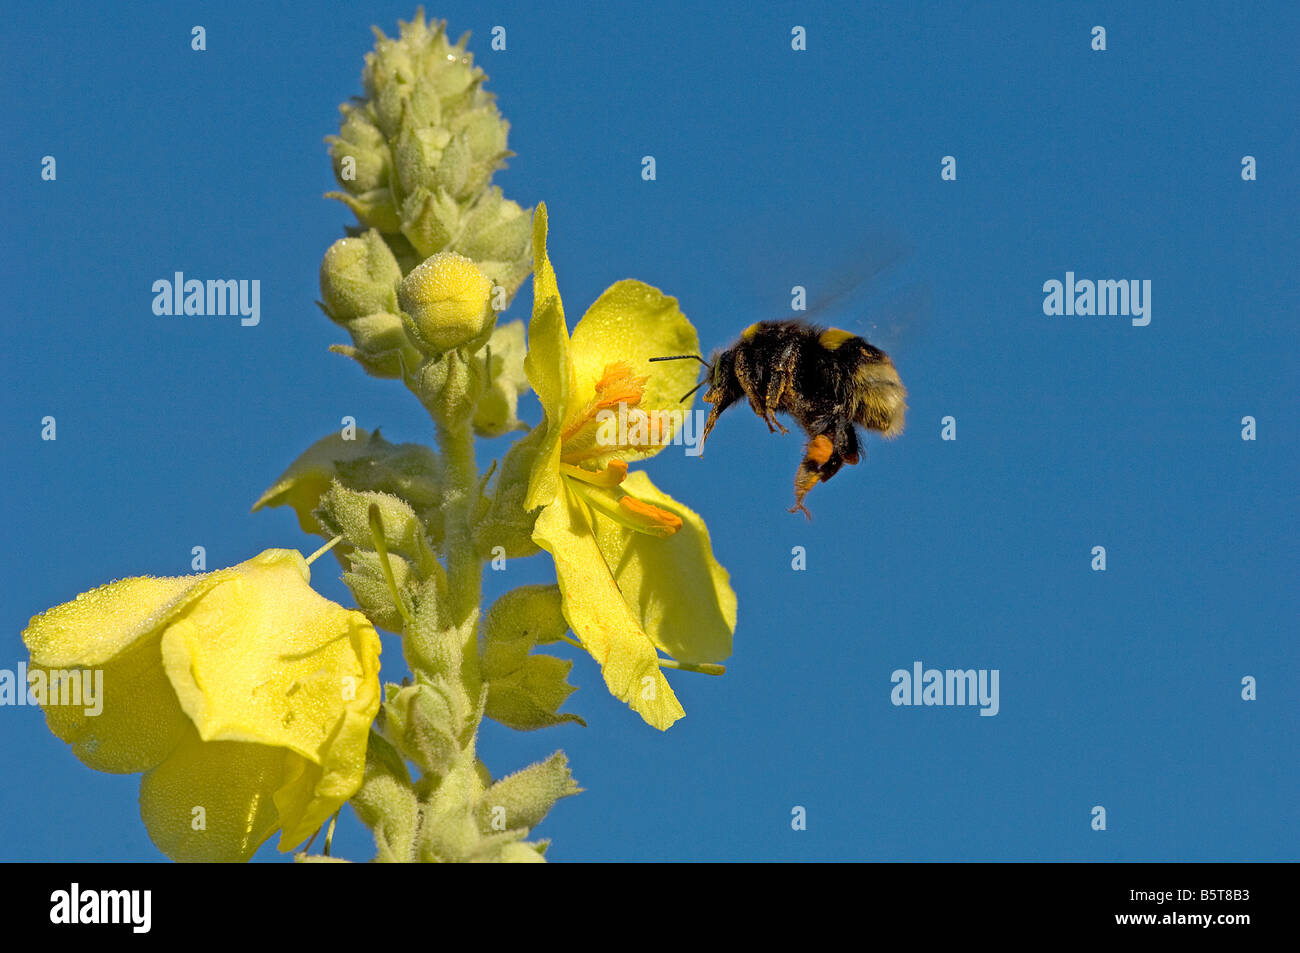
column 846, row 442
column 751, row 383
column 778, row 384
column 821, row 462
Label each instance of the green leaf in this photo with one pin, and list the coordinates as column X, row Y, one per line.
column 516, row 622
column 528, row 698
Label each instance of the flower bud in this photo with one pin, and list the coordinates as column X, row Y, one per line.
column 359, row 276
column 421, row 719
column 449, row 301
column 359, row 152
column 500, row 363
column 497, row 234
column 506, row 522
column 448, row 388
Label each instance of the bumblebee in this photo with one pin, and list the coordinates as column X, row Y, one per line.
column 828, row 380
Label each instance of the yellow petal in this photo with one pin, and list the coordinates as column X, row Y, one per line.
column 101, row 624
column 212, row 800
column 547, row 366
column 599, row 616
column 241, row 690
column 113, row 632
column 681, row 595
column 311, row 793
column 544, row 283
column 263, row 658
column 136, row 722
column 631, row 323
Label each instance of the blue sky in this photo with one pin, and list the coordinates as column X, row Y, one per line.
column 775, row 168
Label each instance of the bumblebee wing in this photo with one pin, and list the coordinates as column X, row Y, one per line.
column 862, row 272
column 901, row 320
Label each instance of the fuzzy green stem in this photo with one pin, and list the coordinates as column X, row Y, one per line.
column 464, row 568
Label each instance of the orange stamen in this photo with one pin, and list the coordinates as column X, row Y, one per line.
column 615, row 472
column 663, row 522
column 617, row 385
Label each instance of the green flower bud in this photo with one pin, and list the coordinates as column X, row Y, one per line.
column 507, row 524
column 417, row 154
column 359, row 276
column 374, row 209
column 386, row 802
column 449, row 301
column 410, row 471
column 369, row 586
column 359, row 153
column 422, row 720
column 525, row 797
column 501, row 365
column 448, row 388
column 429, row 221
column 346, row 512
column 498, row 234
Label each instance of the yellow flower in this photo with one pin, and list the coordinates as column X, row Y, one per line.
column 245, row 698
column 635, row 567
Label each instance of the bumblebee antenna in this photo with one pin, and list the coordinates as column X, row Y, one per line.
column 684, row 357
column 687, row 357
column 692, row 391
